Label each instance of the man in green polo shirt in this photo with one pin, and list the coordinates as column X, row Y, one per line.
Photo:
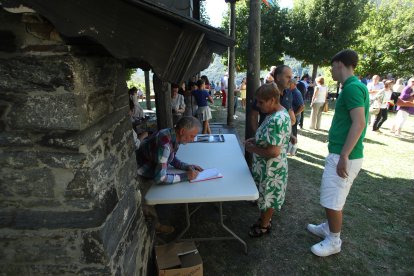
column 345, row 146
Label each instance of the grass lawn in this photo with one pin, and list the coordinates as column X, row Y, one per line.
column 378, row 217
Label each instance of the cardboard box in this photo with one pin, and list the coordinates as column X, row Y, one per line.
column 179, row 259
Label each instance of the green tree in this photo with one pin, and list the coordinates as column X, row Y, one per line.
column 272, row 34
column 385, row 38
column 318, row 29
column 203, row 13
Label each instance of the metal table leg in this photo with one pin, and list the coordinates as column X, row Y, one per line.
column 232, row 237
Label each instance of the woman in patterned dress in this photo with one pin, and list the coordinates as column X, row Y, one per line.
column 269, row 148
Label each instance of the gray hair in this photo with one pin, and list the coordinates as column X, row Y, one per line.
column 187, row 122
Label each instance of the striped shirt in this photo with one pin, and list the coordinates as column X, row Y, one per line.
column 156, row 153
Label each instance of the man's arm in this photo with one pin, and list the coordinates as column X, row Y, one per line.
column 162, row 175
column 300, row 109
column 358, row 124
column 292, row 117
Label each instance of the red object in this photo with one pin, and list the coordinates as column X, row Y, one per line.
column 223, row 100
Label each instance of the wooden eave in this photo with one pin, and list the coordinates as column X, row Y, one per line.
column 136, row 31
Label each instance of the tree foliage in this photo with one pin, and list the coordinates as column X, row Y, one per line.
column 272, row 34
column 203, row 13
column 318, row 29
column 384, row 37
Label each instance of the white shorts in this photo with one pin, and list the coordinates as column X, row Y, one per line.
column 335, row 189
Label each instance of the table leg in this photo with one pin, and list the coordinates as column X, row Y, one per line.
column 231, row 232
column 188, row 223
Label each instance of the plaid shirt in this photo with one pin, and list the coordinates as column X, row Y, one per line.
column 156, row 153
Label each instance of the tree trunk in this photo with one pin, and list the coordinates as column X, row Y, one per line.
column 253, row 67
column 162, row 92
column 314, row 71
column 232, row 58
column 147, row 90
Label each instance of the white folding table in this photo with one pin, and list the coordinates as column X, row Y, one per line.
column 237, row 183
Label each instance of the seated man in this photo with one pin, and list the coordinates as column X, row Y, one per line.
column 158, row 151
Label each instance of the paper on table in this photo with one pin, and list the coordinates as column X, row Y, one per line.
column 208, row 174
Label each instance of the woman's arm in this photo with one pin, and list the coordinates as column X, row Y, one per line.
column 315, row 94
column 270, row 151
column 211, row 99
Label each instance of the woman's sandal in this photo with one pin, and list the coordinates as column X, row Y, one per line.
column 259, row 224
column 259, row 231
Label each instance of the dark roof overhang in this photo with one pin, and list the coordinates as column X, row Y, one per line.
column 140, row 33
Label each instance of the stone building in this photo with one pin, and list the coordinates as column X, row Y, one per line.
column 70, row 200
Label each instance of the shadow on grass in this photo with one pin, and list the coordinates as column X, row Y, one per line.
column 377, row 232
column 321, row 135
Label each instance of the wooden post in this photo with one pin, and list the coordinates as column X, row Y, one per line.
column 253, row 67
column 232, row 58
column 162, row 92
column 147, row 90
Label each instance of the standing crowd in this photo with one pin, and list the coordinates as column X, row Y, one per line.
column 277, row 111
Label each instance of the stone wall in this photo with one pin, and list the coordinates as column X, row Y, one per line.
column 69, row 197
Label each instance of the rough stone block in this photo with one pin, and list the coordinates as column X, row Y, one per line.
column 36, row 73
column 48, row 111
column 31, row 182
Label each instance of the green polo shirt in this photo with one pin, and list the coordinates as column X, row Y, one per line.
column 354, row 94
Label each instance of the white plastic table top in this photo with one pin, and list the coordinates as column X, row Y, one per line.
column 237, row 183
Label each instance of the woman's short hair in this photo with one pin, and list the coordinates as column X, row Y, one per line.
column 320, row 80
column 268, row 91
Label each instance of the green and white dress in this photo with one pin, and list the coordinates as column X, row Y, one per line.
column 270, row 174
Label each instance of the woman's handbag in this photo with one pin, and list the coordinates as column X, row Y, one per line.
column 325, row 107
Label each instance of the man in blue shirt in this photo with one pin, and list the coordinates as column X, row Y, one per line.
column 282, row 75
column 298, row 106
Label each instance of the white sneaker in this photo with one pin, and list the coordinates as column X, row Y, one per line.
column 326, row 247
column 321, row 230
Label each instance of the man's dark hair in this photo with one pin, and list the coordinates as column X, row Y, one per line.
column 348, row 57
column 174, row 85
column 200, row 82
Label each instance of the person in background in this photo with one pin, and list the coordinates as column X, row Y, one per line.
column 345, row 146
column 375, row 85
column 397, row 88
column 177, row 103
column 137, row 116
column 298, row 106
column 269, row 77
column 318, row 100
column 302, row 87
column 224, row 87
column 270, row 166
column 136, row 112
column 243, row 87
column 203, row 112
column 206, row 83
column 190, row 101
column 384, row 97
column 405, row 108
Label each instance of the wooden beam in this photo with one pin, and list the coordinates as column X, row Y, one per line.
column 232, row 67
column 253, row 67
column 147, row 89
column 162, row 91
